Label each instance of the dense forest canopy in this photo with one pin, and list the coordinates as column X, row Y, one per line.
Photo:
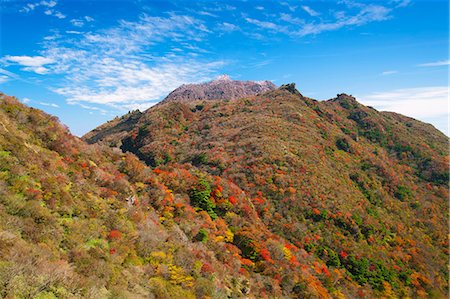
column 270, row 195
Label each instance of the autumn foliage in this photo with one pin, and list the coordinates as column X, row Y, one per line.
column 271, row 196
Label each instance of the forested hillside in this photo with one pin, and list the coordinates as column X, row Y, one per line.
column 358, row 197
column 273, row 195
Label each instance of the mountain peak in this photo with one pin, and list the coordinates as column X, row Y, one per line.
column 221, row 88
column 290, row 88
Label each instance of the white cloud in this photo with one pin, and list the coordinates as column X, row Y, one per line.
column 89, row 107
column 290, row 19
column 81, row 21
column 55, row 13
column 55, row 35
column 206, row 13
column 48, row 3
column 49, row 104
column 265, row 24
column 289, row 6
column 367, row 14
column 48, row 7
column 77, row 22
column 115, row 67
column 3, row 79
column 59, row 15
column 357, row 15
column 8, row 73
column 310, row 11
column 401, row 3
column 385, row 73
column 228, row 27
column 420, row 102
column 436, row 63
column 26, row 100
column 31, row 6
column 135, row 83
column 31, row 63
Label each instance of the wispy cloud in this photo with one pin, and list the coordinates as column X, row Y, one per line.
column 32, row 6
column 3, row 79
column 81, row 21
column 73, row 32
column 290, row 19
column 48, row 7
column 206, row 13
column 258, row 64
column 420, row 102
column 367, row 14
column 31, row 63
column 401, row 3
column 385, row 73
column 289, row 6
column 104, row 68
column 228, row 27
column 49, row 104
column 435, row 63
column 55, row 13
column 266, row 24
column 220, row 7
column 356, row 15
column 7, row 76
column 92, row 108
column 77, row 22
column 310, row 11
column 135, row 83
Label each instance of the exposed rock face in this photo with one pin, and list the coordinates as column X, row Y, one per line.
column 223, row 88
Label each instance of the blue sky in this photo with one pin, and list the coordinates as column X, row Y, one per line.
column 88, row 61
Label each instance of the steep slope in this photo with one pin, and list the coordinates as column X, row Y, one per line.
column 335, row 198
column 85, row 221
column 223, row 88
column 115, row 129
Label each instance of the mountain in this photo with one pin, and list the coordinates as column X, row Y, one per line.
column 223, row 88
column 328, row 198
column 270, row 195
column 87, row 221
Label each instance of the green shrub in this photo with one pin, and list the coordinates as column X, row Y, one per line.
column 200, row 197
column 343, row 144
column 364, row 270
column 202, row 235
column 403, row 192
column 200, row 159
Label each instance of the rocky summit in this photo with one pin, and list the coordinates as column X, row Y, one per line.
column 222, row 88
